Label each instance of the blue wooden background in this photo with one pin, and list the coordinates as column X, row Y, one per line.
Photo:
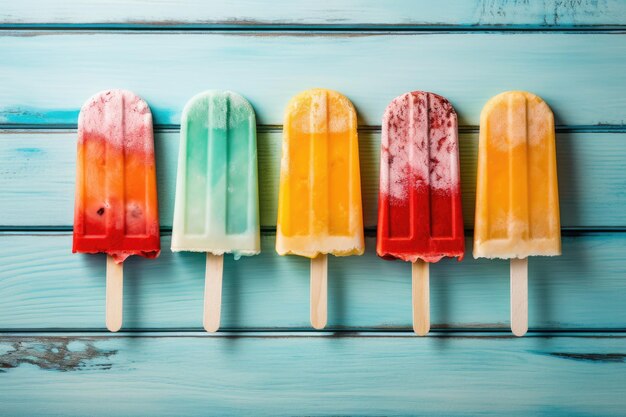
column 56, row 359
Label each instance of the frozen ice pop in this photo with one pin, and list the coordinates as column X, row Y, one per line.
column 517, row 202
column 419, row 202
column 319, row 205
column 419, row 205
column 116, row 199
column 216, row 208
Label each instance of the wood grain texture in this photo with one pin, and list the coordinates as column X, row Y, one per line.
column 371, row 51
column 568, row 70
column 312, row 375
column 420, row 272
column 114, row 295
column 212, row 311
column 519, row 296
column 327, row 13
column 319, row 291
column 38, row 174
column 44, row 285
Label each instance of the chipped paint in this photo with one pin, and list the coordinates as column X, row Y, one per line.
column 54, row 354
column 546, row 13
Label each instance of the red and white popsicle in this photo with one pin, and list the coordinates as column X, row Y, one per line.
column 419, row 204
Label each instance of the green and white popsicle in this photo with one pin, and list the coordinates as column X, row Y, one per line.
column 216, row 209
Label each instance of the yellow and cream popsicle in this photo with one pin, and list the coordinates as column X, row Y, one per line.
column 319, row 204
column 217, row 206
column 517, row 202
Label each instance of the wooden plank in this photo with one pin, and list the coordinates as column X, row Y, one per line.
column 327, row 13
column 287, row 375
column 268, row 68
column 44, row 286
column 37, row 181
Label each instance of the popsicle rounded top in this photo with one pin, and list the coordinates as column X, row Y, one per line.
column 116, row 208
column 319, row 204
column 216, row 208
column 517, row 203
column 229, row 109
column 419, row 205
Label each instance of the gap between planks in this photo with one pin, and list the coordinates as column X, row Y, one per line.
column 308, row 332
column 252, row 27
column 7, row 129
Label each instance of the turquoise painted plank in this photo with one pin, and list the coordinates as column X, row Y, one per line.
column 546, row 13
column 282, row 375
column 37, row 181
column 44, row 286
column 580, row 75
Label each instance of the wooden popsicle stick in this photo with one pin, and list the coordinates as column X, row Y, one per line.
column 421, row 297
column 519, row 296
column 319, row 291
column 114, row 294
column 213, row 292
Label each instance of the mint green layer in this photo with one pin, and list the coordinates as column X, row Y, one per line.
column 216, row 208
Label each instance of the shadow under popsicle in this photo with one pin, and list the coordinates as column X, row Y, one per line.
column 134, row 274
column 336, row 294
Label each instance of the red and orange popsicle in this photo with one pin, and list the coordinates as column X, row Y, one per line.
column 116, row 200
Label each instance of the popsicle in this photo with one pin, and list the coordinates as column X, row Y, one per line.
column 216, row 209
column 419, row 201
column 116, row 208
column 319, row 203
column 517, row 202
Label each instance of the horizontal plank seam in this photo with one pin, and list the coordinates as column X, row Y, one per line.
column 292, row 333
column 265, row 27
column 175, row 128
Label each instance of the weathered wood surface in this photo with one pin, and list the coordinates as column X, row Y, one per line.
column 54, row 55
column 38, row 175
column 278, row 375
column 580, row 76
column 44, row 285
column 325, row 13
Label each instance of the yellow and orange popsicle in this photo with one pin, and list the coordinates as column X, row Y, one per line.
column 116, row 208
column 517, row 202
column 319, row 205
